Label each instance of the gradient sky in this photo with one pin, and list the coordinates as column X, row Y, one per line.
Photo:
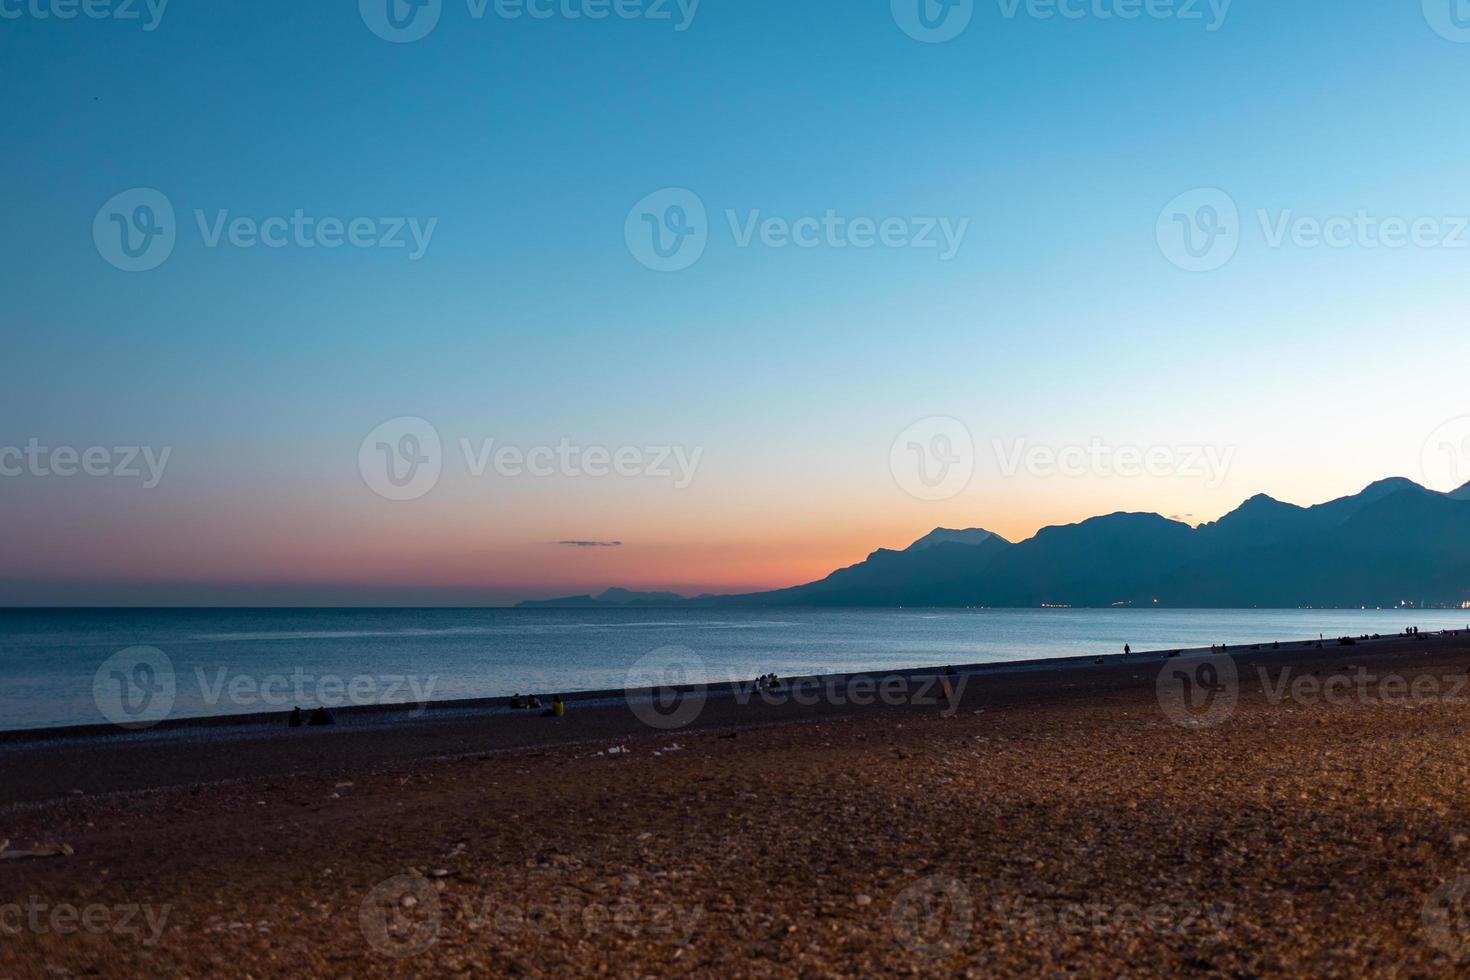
column 1061, row 321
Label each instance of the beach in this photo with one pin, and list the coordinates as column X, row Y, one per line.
column 1312, row 815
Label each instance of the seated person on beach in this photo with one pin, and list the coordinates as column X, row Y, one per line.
column 322, row 716
column 535, row 702
column 517, row 702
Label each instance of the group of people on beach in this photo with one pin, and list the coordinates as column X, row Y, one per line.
column 768, row 682
column 533, row 703
column 319, row 717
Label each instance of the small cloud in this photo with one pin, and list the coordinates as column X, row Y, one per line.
column 591, row 544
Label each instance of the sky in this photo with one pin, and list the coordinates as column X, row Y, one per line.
column 473, row 302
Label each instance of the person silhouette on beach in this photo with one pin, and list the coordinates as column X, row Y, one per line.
column 295, row 720
column 1127, row 650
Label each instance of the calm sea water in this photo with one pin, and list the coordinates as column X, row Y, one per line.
column 69, row 667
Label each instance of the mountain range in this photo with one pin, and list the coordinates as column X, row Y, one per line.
column 1396, row 541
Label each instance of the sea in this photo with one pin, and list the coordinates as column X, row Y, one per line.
column 95, row 666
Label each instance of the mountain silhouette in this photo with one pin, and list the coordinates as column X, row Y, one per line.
column 1394, row 542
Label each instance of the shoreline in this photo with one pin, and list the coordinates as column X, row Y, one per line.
column 410, row 711
column 37, row 765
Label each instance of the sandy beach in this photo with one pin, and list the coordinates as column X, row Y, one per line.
column 1314, row 817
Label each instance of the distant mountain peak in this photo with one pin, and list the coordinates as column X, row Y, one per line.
column 944, row 535
column 1393, row 484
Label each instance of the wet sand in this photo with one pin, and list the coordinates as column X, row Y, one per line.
column 1046, row 820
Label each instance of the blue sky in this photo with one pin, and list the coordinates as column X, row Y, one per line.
column 527, row 141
